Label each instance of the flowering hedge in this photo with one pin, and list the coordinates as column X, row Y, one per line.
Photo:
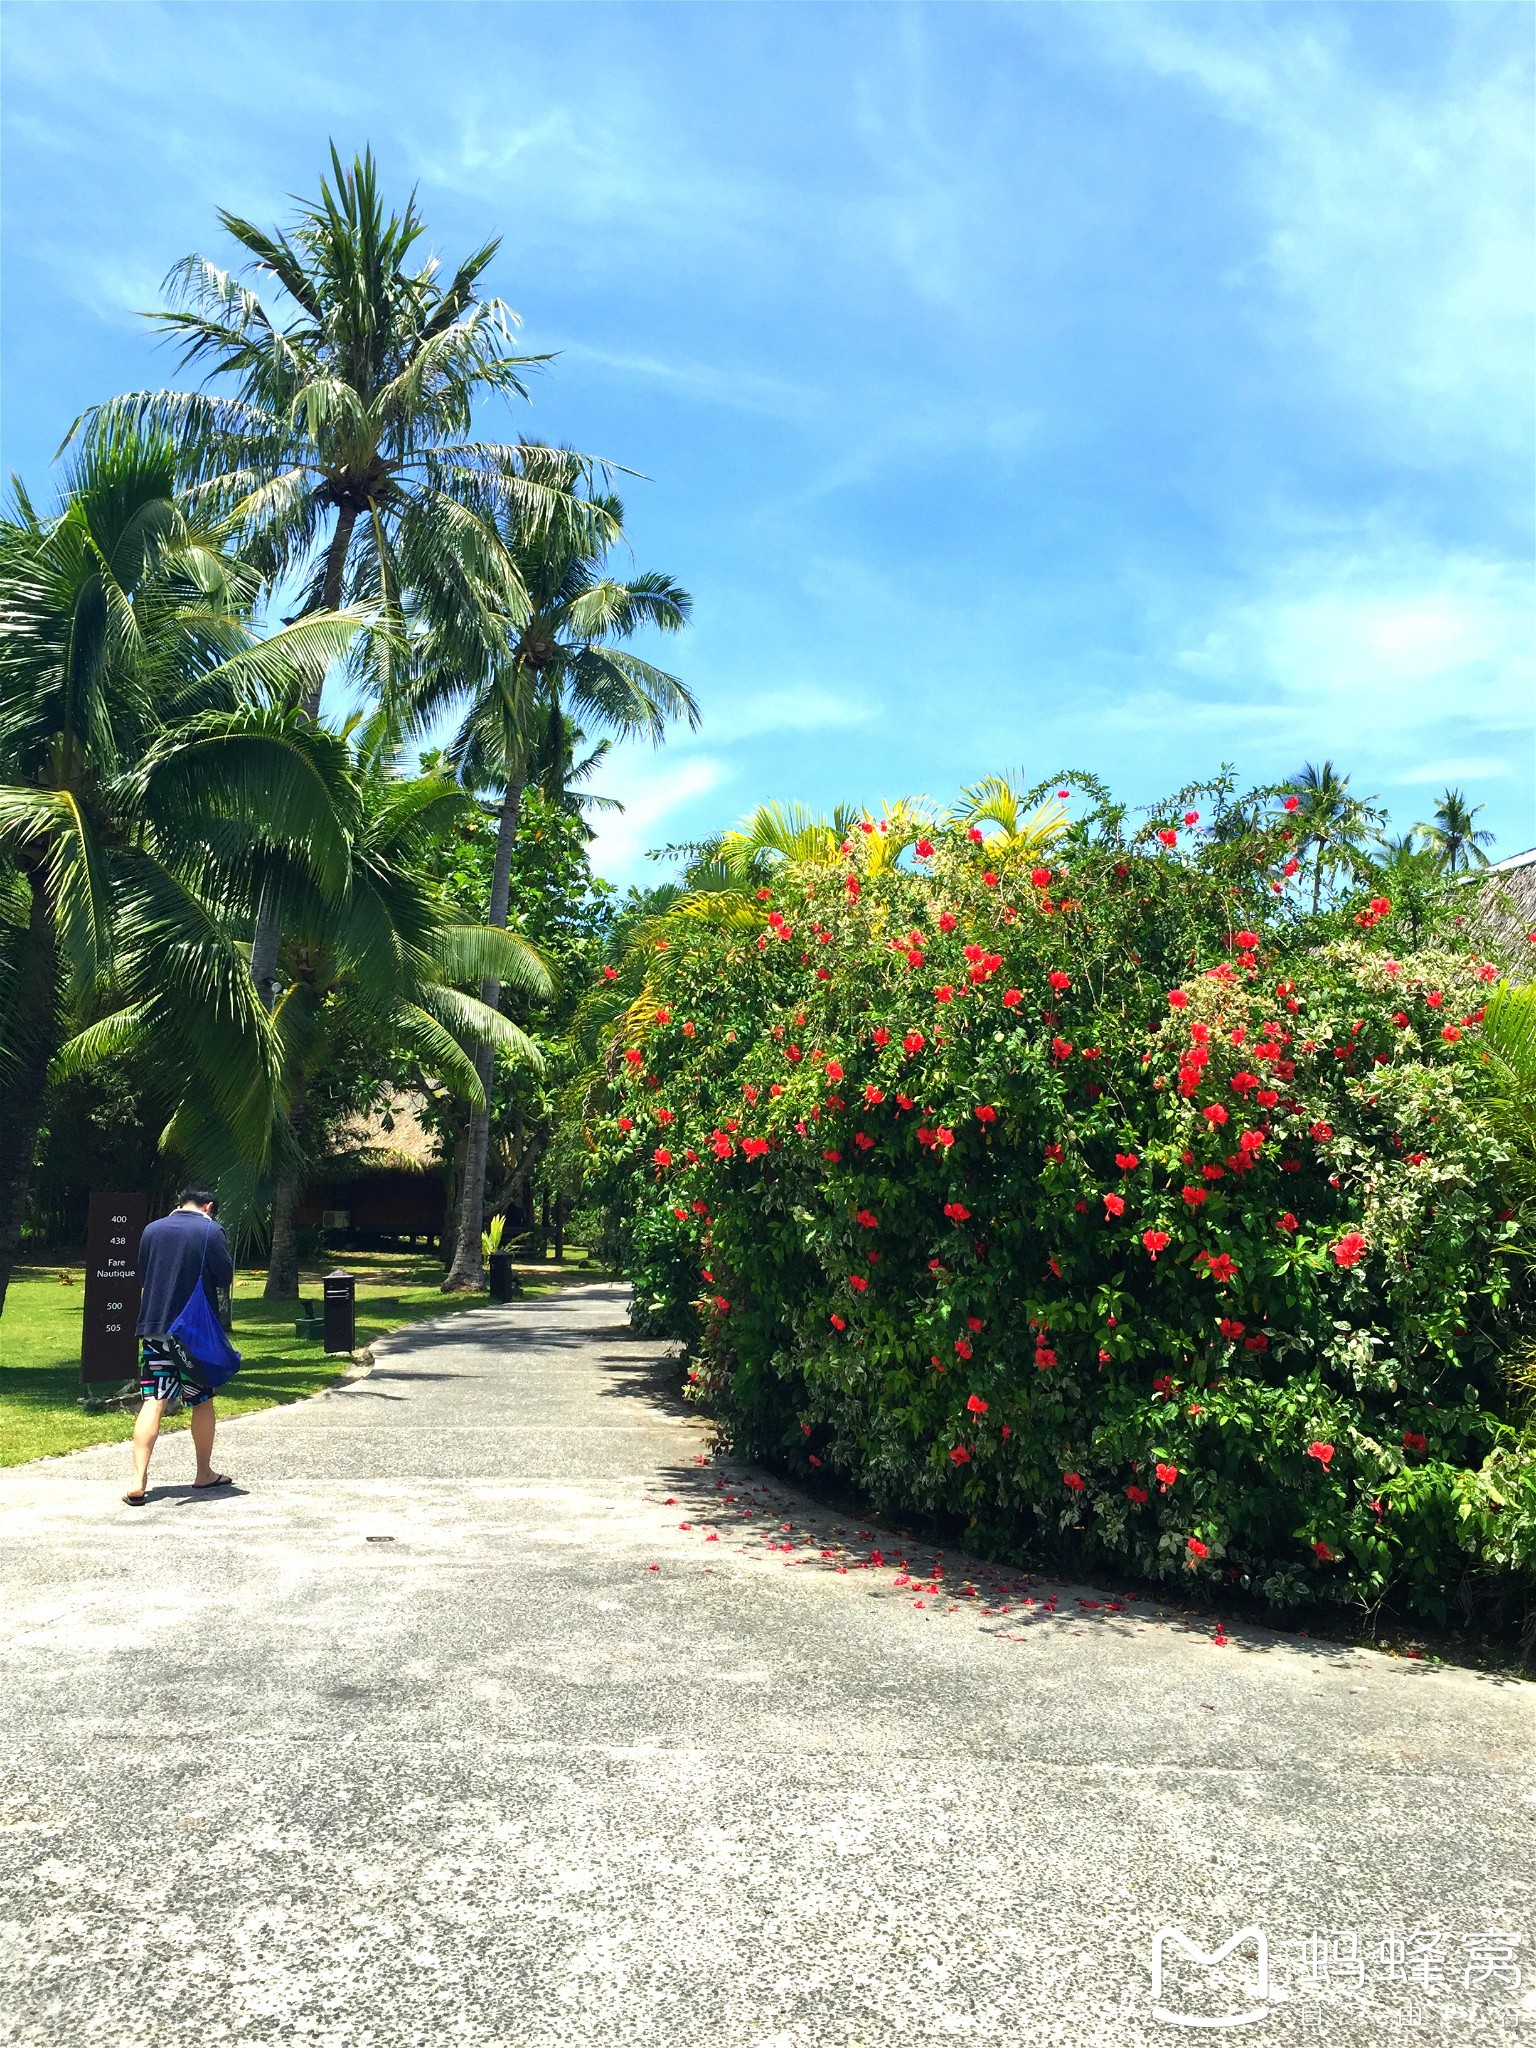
column 1074, row 1196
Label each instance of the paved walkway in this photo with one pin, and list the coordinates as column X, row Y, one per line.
column 490, row 1710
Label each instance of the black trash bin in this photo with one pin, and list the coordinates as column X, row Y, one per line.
column 340, row 1312
column 504, row 1282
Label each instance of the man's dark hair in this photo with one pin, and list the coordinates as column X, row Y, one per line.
column 204, row 1198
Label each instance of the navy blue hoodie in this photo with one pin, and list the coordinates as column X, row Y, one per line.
column 171, row 1254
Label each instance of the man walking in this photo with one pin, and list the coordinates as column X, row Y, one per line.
column 179, row 1253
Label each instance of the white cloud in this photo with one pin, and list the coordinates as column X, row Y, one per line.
column 1398, row 219
column 1386, row 652
column 652, row 790
column 1467, row 768
column 715, row 383
column 803, row 708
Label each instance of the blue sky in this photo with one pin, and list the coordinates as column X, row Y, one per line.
column 1105, row 386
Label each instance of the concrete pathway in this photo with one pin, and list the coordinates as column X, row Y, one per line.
column 491, row 1710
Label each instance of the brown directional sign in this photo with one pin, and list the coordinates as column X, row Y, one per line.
column 108, row 1347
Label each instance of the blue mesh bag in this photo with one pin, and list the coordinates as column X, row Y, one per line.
column 198, row 1333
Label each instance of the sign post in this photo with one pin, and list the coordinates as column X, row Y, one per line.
column 109, row 1350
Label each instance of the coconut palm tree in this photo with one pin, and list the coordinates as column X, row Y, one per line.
column 1453, row 833
column 152, row 771
column 339, row 437
column 1334, row 823
column 390, row 956
column 559, row 659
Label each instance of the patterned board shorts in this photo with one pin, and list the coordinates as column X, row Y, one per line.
column 161, row 1378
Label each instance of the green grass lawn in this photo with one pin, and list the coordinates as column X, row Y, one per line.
column 40, row 1411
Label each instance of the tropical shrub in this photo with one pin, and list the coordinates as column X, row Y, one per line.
column 1068, row 1192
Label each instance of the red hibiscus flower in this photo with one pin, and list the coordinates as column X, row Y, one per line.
column 1058, row 980
column 858, row 1283
column 913, row 1043
column 1138, row 1494
column 957, row 1212
column 1197, row 1549
column 1322, row 1452
column 1194, row 1197
column 1075, row 1480
column 1155, row 1241
column 1012, row 997
column 1229, row 1326
column 944, row 993
column 1286, row 1222
column 1127, row 1161
column 985, row 1113
column 1166, row 1475
column 924, row 849
column 1350, row 1249
column 1168, row 836
column 1215, row 1113
column 662, row 1156
column 834, row 1071
column 960, row 1455
column 1415, row 1440
column 1293, row 803
column 838, row 1323
column 1177, row 999
column 610, row 974
column 962, row 1347
column 947, row 920
column 976, row 1405
column 1114, row 1205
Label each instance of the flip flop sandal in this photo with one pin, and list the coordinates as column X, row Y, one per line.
column 218, row 1479
column 135, row 1500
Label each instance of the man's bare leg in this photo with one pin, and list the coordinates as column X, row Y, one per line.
column 145, row 1431
column 200, row 1420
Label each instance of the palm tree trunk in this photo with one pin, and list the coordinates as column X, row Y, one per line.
column 283, row 1259
column 287, row 1193
column 33, row 1028
column 466, row 1274
column 268, row 935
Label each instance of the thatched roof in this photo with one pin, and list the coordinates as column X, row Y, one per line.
column 391, row 1138
column 1505, row 912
